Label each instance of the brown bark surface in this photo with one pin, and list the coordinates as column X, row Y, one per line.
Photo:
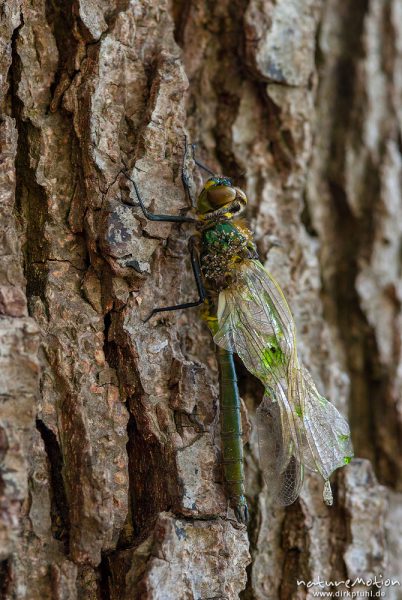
column 110, row 479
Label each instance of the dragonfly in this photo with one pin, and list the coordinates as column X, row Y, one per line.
column 248, row 315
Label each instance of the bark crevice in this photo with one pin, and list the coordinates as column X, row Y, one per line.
column 58, row 497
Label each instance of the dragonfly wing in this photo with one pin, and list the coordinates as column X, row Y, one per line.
column 280, row 457
column 262, row 300
column 237, row 333
column 255, row 322
column 279, row 428
column 326, row 430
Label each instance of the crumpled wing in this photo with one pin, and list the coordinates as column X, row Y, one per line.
column 256, row 323
column 280, row 457
column 327, row 431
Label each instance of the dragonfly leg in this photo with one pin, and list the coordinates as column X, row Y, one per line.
column 199, row 283
column 199, row 164
column 184, row 174
column 156, row 217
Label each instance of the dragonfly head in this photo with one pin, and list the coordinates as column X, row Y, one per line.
column 219, row 197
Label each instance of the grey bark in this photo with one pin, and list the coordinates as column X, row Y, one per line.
column 110, row 481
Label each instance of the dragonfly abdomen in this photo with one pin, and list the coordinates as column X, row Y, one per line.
column 231, row 434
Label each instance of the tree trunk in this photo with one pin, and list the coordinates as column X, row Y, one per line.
column 110, row 479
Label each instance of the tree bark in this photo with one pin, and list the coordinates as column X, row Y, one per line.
column 110, row 479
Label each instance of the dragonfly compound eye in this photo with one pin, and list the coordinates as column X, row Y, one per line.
column 217, row 193
column 220, row 195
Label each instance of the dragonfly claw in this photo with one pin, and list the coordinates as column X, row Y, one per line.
column 241, row 511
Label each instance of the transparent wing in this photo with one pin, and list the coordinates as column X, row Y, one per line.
column 326, row 430
column 256, row 323
column 280, row 458
column 263, row 309
column 305, row 430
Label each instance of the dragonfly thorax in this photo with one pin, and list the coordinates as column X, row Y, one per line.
column 224, row 246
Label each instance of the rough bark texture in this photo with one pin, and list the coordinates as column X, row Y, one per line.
column 110, row 482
